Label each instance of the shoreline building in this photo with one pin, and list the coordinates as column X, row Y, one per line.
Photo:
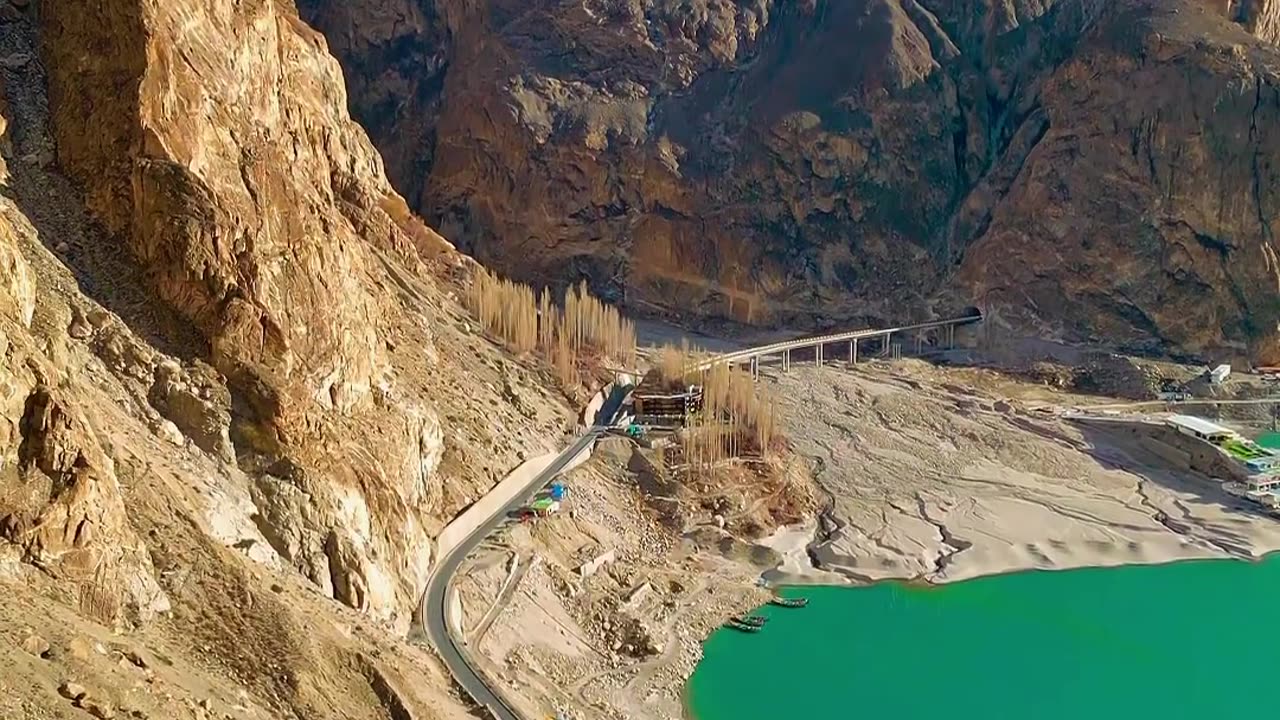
column 656, row 404
column 1200, row 428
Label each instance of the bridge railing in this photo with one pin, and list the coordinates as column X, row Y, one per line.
column 816, row 340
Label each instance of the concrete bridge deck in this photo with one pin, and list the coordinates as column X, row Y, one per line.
column 819, row 342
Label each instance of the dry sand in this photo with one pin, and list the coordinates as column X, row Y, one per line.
column 945, row 474
column 618, row 643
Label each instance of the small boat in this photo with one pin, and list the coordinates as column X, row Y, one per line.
column 740, row 626
column 789, row 602
column 753, row 620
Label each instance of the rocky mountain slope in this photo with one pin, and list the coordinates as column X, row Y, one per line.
column 236, row 391
column 1085, row 169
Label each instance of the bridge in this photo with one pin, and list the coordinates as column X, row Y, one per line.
column 434, row 613
column 883, row 337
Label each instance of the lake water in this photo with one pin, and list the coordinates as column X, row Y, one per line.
column 1269, row 440
column 1183, row 640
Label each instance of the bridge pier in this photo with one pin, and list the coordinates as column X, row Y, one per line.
column 886, row 350
column 818, row 355
column 951, row 336
column 755, row 368
column 786, row 360
column 853, row 352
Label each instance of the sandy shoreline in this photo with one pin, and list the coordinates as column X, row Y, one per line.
column 933, row 480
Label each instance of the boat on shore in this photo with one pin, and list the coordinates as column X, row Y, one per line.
column 740, row 626
column 753, row 620
column 789, row 602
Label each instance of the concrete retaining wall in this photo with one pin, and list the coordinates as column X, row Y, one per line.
column 504, row 492
column 1202, row 456
column 1182, row 451
column 589, row 568
column 587, row 417
column 484, row 508
column 453, row 611
column 1168, row 453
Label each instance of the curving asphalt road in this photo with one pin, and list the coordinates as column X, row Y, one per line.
column 434, row 613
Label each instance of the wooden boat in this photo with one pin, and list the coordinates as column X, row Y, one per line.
column 740, row 626
column 789, row 602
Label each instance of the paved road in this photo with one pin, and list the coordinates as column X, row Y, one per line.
column 434, row 611
column 1162, row 403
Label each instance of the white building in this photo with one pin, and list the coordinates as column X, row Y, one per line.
column 1200, row 428
column 1219, row 374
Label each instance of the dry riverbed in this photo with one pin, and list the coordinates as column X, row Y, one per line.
column 944, row 474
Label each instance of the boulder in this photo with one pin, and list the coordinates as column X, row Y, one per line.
column 197, row 402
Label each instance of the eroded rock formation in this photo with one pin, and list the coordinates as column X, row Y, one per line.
column 262, row 297
column 232, row 371
column 1086, row 169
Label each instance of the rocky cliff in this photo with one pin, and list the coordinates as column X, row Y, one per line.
column 1097, row 171
column 251, row 204
column 235, row 385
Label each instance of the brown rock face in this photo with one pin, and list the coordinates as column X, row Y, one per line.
column 190, row 174
column 230, row 359
column 61, row 506
column 17, row 286
column 219, row 150
column 212, row 143
column 72, row 522
column 1147, row 214
column 824, row 161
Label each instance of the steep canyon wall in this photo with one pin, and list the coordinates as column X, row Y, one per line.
column 1095, row 171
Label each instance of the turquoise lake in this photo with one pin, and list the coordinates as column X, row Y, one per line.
column 1182, row 640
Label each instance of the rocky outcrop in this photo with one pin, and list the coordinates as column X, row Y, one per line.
column 17, row 303
column 312, row 348
column 1146, row 216
column 61, row 505
column 822, row 161
column 197, row 402
column 69, row 518
column 235, row 179
column 17, row 286
column 232, row 371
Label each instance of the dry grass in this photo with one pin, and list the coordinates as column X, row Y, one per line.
column 590, row 322
column 506, row 309
column 675, row 366
column 731, row 398
column 739, row 417
column 585, row 329
column 564, row 360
